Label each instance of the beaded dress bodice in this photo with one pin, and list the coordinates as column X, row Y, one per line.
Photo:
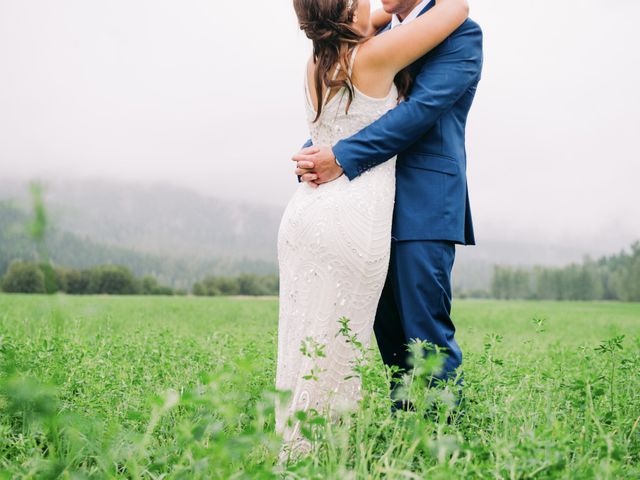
column 335, row 123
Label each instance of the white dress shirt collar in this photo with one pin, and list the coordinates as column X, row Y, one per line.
column 395, row 21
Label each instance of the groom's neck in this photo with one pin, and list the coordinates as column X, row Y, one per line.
column 406, row 10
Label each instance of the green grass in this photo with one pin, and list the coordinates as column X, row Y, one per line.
column 144, row 387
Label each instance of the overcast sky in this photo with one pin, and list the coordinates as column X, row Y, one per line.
column 184, row 92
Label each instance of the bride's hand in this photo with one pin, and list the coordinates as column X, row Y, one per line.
column 317, row 165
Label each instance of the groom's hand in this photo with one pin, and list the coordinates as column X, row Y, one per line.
column 317, row 165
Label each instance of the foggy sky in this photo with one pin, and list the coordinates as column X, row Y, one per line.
column 210, row 98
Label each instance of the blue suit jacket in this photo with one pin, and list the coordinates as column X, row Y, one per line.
column 427, row 132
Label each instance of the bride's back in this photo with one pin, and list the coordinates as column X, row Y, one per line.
column 336, row 121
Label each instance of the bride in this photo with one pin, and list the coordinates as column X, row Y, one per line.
column 334, row 239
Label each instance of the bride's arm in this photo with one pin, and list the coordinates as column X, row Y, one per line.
column 379, row 19
column 395, row 49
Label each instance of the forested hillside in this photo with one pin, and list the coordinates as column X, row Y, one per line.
column 181, row 237
column 157, row 219
column 614, row 277
column 71, row 250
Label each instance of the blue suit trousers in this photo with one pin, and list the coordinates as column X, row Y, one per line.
column 416, row 303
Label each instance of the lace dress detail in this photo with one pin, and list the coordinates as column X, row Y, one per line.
column 333, row 254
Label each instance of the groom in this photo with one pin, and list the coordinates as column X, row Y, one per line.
column 432, row 214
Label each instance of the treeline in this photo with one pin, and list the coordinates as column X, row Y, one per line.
column 609, row 278
column 31, row 277
column 246, row 284
column 64, row 248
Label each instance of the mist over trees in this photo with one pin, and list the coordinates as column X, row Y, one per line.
column 616, row 277
column 76, row 252
column 25, row 242
column 92, row 242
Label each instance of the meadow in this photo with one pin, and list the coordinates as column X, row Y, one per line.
column 161, row 387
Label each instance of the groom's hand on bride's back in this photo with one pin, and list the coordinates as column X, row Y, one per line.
column 317, row 165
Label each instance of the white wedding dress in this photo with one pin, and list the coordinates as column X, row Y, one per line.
column 333, row 253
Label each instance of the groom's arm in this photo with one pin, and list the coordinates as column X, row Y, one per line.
column 438, row 86
column 443, row 79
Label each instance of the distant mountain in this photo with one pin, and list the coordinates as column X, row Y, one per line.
column 158, row 219
column 179, row 235
column 70, row 250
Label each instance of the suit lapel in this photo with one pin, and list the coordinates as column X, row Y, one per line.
column 385, row 29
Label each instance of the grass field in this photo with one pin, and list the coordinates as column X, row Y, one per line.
column 142, row 387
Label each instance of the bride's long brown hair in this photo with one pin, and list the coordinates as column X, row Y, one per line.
column 329, row 25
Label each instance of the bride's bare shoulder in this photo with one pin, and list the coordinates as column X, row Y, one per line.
column 367, row 74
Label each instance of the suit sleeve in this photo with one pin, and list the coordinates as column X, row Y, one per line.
column 446, row 75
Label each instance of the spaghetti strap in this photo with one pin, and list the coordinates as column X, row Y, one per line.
column 327, row 92
column 307, row 90
column 352, row 60
column 335, row 74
